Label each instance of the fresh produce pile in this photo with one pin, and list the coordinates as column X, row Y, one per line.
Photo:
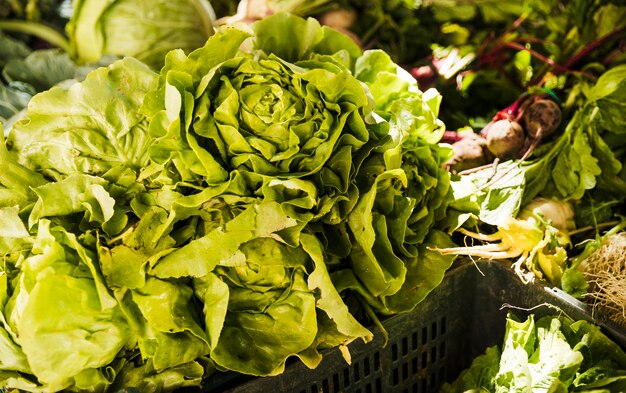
column 552, row 354
column 238, row 208
column 226, row 188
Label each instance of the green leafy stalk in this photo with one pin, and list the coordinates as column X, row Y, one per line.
column 38, row 30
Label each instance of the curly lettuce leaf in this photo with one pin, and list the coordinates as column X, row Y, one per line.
column 313, row 39
column 398, row 99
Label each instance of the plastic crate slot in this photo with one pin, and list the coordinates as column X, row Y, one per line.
column 325, row 386
column 441, row 375
column 395, row 379
column 376, row 360
column 394, row 352
column 336, row 386
column 433, row 354
column 442, row 350
column 424, row 385
column 433, row 331
column 414, row 390
column 346, row 377
column 379, row 385
column 442, row 326
column 314, row 388
column 368, row 388
column 433, row 379
column 357, row 373
column 424, row 359
column 366, row 366
column 414, row 341
column 405, row 371
column 405, row 346
column 424, row 335
column 414, row 365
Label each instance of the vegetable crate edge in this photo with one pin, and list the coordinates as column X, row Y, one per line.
column 428, row 346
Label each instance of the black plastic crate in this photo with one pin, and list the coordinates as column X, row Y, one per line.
column 428, row 346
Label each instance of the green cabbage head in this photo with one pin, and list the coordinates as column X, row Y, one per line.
column 146, row 30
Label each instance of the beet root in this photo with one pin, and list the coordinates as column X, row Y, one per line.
column 542, row 118
column 505, row 138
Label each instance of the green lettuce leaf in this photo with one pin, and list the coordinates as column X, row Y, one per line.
column 104, row 130
column 59, row 279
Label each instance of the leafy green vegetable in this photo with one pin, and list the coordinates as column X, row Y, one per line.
column 195, row 212
column 143, row 30
column 553, row 354
column 11, row 49
column 92, row 141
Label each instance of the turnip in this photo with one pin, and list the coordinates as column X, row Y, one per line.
column 538, row 247
column 559, row 214
column 505, row 138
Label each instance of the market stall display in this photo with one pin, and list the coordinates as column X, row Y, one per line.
column 212, row 200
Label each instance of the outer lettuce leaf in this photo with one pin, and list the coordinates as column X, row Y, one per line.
column 89, row 127
column 258, row 342
column 345, row 324
column 12, row 224
column 372, row 258
column 172, row 334
column 146, row 379
column 12, row 357
column 58, row 279
column 17, row 182
column 74, row 194
column 425, row 272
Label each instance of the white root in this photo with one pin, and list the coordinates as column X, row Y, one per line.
column 527, row 277
column 606, row 274
column 487, row 251
column 481, row 236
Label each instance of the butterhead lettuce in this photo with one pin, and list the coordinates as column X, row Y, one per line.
column 239, row 208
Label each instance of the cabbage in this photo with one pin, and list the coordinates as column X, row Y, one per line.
column 146, row 30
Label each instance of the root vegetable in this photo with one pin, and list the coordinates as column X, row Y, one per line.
column 538, row 246
column 542, row 118
column 605, row 271
column 559, row 214
column 505, row 138
column 339, row 18
column 469, row 152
